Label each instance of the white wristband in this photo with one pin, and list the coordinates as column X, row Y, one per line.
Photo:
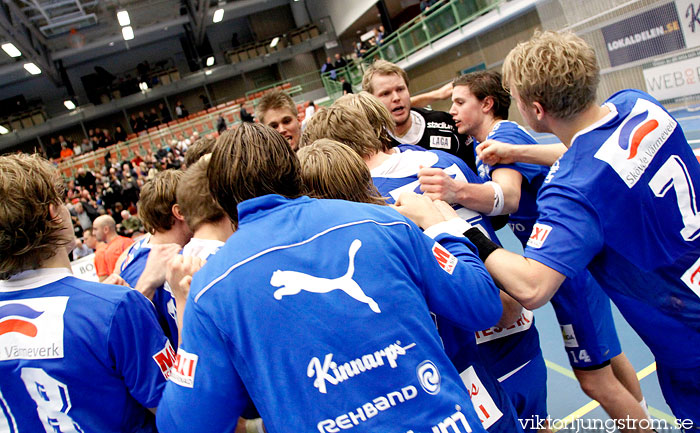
column 498, row 200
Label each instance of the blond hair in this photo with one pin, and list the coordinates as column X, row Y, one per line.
column 272, row 100
column 330, row 169
column 345, row 124
column 198, row 149
column 28, row 233
column 196, row 203
column 558, row 70
column 381, row 67
column 375, row 111
column 158, row 196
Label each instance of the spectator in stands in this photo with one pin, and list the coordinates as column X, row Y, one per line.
column 180, row 110
column 310, row 110
column 152, row 118
column 164, row 113
column 221, row 124
column 119, row 133
column 130, row 224
column 53, row 148
column 277, row 110
column 245, row 116
column 66, row 151
column 379, row 35
column 328, row 66
column 340, row 62
column 360, row 49
column 83, row 217
column 81, row 250
column 107, row 138
column 85, row 179
column 85, row 146
column 347, row 87
column 77, row 150
column 206, row 103
column 105, row 230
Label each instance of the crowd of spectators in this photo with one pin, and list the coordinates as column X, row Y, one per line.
column 114, row 190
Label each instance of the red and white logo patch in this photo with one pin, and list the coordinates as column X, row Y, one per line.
column 444, row 258
column 165, row 359
column 184, row 368
column 539, row 235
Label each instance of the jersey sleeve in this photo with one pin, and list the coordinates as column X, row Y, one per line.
column 139, row 349
column 568, row 232
column 456, row 284
column 528, row 171
column 205, row 393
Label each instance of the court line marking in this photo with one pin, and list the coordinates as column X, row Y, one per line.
column 591, row 405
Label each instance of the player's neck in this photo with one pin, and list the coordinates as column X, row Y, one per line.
column 377, row 159
column 58, row 260
column 567, row 129
column 172, row 236
column 485, row 129
column 217, row 231
column 402, row 129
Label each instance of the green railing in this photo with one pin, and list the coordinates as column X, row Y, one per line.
column 420, row 32
column 299, row 84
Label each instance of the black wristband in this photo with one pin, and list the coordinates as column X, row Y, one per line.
column 482, row 243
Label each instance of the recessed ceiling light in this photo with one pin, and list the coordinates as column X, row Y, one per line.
column 274, row 42
column 123, row 18
column 210, row 60
column 218, row 15
column 128, row 33
column 3, row 130
column 32, row 68
column 11, row 50
column 69, row 104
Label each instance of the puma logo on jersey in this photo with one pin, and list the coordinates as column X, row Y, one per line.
column 292, row 282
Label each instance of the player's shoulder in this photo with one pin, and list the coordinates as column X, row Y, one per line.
column 511, row 132
column 100, row 292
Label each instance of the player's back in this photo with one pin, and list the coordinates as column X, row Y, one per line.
column 327, row 324
column 78, row 356
column 632, row 179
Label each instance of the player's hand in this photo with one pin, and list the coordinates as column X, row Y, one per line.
column 444, row 92
column 114, row 279
column 153, row 275
column 179, row 271
column 446, row 210
column 437, row 184
column 492, row 152
column 418, row 208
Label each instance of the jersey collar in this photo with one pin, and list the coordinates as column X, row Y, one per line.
column 34, row 278
column 415, row 132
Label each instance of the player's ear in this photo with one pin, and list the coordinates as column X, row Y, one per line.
column 539, row 110
column 487, row 104
column 177, row 213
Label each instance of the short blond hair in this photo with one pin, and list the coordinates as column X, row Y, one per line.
column 158, row 196
column 330, row 169
column 196, row 202
column 275, row 99
column 28, row 234
column 375, row 111
column 381, row 67
column 558, row 70
column 347, row 125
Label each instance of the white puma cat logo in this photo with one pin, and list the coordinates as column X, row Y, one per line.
column 291, row 282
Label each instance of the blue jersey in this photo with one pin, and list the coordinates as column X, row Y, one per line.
column 319, row 338
column 131, row 270
column 624, row 195
column 521, row 222
column 400, row 174
column 78, row 356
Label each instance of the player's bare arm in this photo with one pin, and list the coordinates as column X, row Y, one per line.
column 153, row 275
column 486, row 198
column 494, row 152
column 440, row 94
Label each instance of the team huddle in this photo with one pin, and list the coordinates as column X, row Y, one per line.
column 348, row 276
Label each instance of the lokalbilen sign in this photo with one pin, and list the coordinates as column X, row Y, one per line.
column 651, row 33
